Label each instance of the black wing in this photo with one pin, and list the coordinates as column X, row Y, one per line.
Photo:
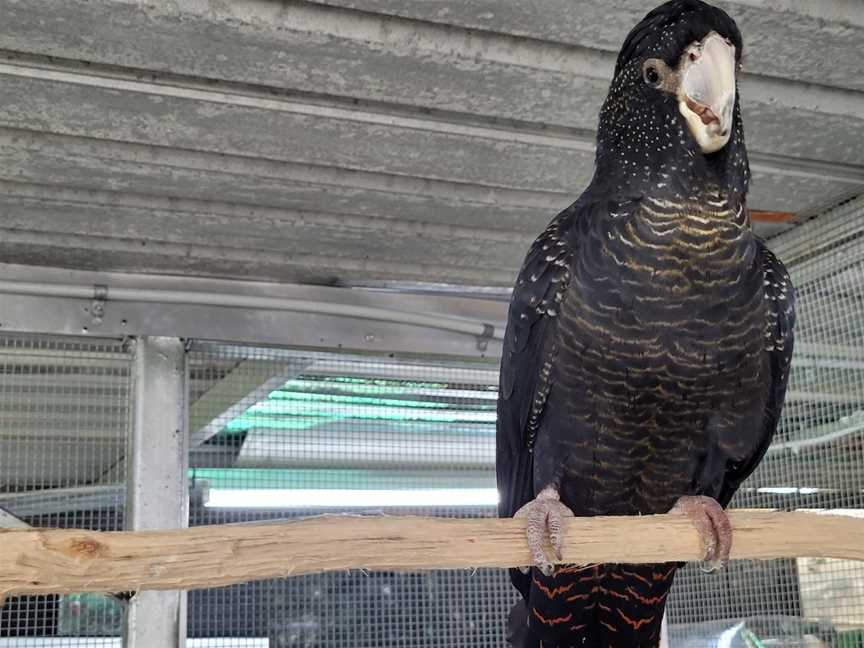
column 779, row 339
column 527, row 359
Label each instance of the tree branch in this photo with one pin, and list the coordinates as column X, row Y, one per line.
column 38, row 561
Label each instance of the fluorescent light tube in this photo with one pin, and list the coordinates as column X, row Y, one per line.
column 343, row 498
column 788, row 490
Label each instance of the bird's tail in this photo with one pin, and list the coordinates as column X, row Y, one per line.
column 593, row 606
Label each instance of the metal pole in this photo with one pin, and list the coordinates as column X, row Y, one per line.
column 664, row 632
column 157, row 495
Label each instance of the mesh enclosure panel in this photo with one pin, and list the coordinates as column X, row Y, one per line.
column 312, row 428
column 280, row 433
column 64, row 423
column 815, row 462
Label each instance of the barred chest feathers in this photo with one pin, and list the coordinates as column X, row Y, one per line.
column 668, row 290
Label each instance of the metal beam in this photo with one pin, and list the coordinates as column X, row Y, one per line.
column 9, row 521
column 63, row 500
column 822, row 435
column 248, row 382
column 67, row 316
column 157, row 492
column 825, row 245
column 466, row 376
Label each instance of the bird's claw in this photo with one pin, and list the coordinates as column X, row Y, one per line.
column 713, row 526
column 545, row 515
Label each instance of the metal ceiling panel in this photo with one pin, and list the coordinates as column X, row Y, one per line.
column 356, row 141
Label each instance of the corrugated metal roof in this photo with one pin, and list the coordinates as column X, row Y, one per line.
column 346, row 142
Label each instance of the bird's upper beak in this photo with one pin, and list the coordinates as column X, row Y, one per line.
column 707, row 91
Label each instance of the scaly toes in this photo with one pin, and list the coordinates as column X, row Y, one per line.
column 722, row 532
column 713, row 526
column 545, row 517
column 537, row 517
column 555, row 523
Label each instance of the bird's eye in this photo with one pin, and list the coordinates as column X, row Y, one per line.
column 654, row 71
column 651, row 75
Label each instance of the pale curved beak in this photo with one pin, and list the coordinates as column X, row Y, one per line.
column 707, row 91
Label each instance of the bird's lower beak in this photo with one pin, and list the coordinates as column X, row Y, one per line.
column 707, row 92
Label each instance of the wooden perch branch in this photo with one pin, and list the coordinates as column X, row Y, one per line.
column 34, row 561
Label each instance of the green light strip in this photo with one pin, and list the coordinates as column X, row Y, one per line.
column 307, row 397
column 373, row 388
column 272, row 478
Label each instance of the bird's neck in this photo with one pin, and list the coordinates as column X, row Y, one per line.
column 692, row 243
column 709, row 217
column 680, row 171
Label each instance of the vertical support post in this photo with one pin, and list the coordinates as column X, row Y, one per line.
column 157, row 493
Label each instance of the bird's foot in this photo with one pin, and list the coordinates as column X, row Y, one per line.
column 545, row 515
column 713, row 526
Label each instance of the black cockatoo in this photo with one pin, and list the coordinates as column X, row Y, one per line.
column 649, row 336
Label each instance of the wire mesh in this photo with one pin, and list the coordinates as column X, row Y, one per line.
column 331, row 432
column 343, row 424
column 64, row 418
column 815, row 462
